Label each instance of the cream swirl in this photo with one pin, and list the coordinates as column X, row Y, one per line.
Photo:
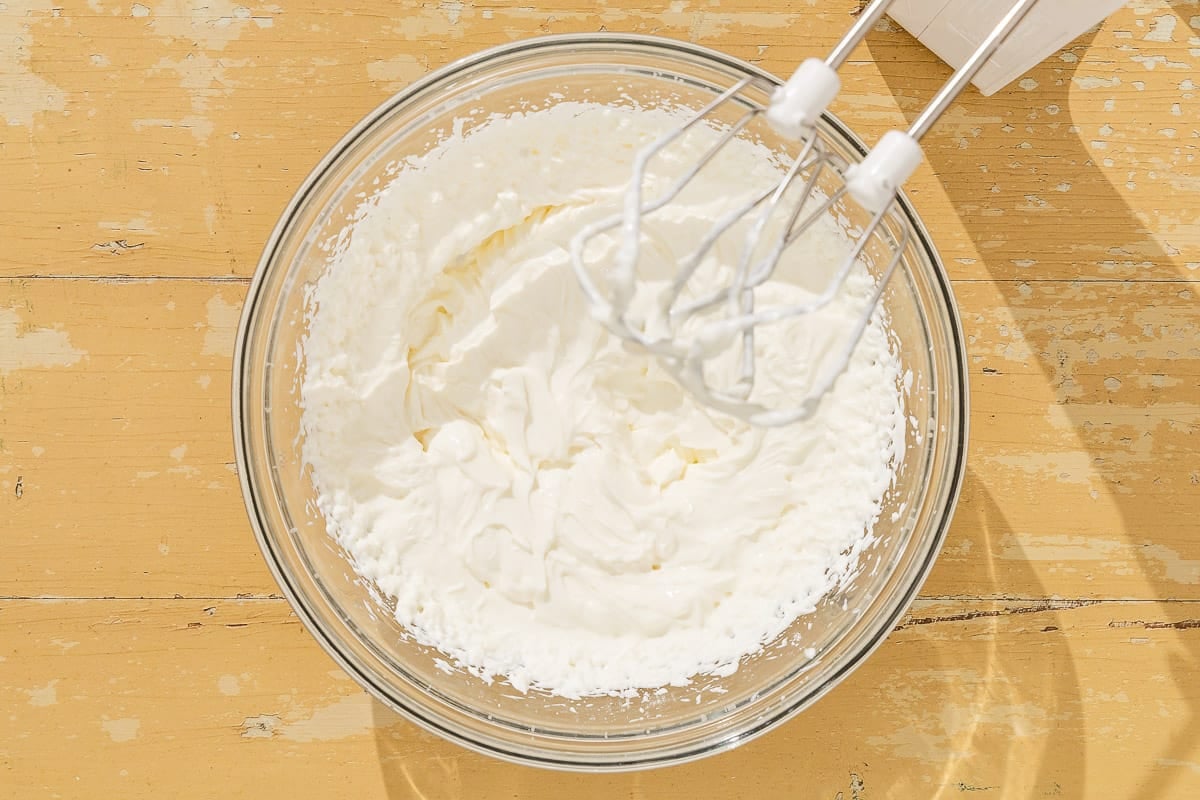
column 543, row 504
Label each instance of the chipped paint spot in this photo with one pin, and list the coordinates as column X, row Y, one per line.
column 33, row 348
column 177, row 453
column 1059, row 548
column 938, row 736
column 1119, row 557
column 222, row 322
column 44, row 695
column 1150, row 62
column 1162, row 29
column 1175, row 567
column 1095, row 82
column 187, row 470
column 206, row 28
column 396, row 73
column 1068, row 466
column 349, row 716
column 122, row 730
column 260, row 727
column 26, row 94
column 139, row 10
column 452, row 9
column 229, row 686
column 1092, row 695
column 211, row 25
column 204, row 381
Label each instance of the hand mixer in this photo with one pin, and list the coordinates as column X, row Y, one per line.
column 777, row 217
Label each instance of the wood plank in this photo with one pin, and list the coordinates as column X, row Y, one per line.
column 115, row 419
column 1082, row 474
column 114, row 413
column 193, row 699
column 167, row 144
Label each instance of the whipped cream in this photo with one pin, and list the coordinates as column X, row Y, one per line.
column 541, row 504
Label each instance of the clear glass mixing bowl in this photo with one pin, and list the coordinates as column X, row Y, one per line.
column 603, row 733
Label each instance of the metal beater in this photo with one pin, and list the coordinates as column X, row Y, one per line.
column 784, row 212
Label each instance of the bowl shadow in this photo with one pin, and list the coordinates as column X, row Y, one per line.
column 934, row 712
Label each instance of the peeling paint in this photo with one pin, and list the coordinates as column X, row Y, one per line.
column 122, row 730
column 350, row 716
column 397, row 72
column 260, row 727
column 1174, row 566
column 221, row 329
column 26, row 94
column 23, row 348
column 44, row 695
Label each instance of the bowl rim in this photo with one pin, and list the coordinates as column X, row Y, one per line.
column 252, row 496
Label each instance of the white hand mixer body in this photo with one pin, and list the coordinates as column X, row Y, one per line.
column 787, row 210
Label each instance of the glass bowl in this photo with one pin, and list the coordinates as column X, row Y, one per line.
column 346, row 616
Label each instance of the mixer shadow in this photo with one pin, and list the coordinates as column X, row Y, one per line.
column 1109, row 378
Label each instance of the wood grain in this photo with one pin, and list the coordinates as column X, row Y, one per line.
column 1056, row 699
column 1077, row 486
column 146, row 150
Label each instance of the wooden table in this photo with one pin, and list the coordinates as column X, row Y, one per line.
column 146, row 151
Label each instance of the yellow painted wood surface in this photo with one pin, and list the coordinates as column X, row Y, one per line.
column 145, row 152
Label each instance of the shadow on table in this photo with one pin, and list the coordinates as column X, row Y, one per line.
column 934, row 712
column 1091, row 222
